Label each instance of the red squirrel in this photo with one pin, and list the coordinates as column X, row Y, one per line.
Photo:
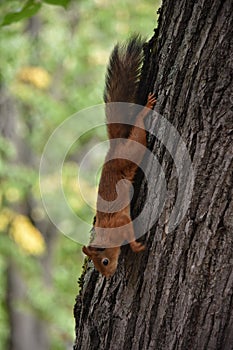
column 114, row 226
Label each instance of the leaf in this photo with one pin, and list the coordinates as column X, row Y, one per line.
column 63, row 3
column 29, row 10
column 27, row 236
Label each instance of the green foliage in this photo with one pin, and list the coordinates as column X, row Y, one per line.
column 7, row 150
column 63, row 3
column 29, row 9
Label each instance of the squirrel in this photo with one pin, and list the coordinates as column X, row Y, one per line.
column 127, row 136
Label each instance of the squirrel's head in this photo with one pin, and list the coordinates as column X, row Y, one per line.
column 104, row 259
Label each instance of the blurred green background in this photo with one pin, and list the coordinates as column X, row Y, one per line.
column 53, row 60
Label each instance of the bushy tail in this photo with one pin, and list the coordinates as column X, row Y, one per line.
column 123, row 71
column 121, row 84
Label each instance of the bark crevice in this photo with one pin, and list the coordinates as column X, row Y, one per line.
column 178, row 294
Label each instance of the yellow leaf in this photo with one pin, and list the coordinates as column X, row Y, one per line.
column 27, row 236
column 36, row 76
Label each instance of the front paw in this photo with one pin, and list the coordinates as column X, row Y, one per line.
column 151, row 101
column 137, row 246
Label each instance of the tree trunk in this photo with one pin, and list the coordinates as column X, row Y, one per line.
column 27, row 330
column 178, row 294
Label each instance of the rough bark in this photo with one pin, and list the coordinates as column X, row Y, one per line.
column 178, row 294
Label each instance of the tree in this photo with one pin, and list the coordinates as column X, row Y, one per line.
column 24, row 324
column 178, row 294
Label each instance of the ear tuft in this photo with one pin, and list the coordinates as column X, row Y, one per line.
column 86, row 251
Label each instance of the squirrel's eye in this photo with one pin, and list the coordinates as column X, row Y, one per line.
column 105, row 261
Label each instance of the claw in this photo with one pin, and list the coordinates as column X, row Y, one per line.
column 151, row 100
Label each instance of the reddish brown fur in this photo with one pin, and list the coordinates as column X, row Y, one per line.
column 121, row 85
column 113, row 171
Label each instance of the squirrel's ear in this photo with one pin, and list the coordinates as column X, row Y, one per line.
column 86, row 251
